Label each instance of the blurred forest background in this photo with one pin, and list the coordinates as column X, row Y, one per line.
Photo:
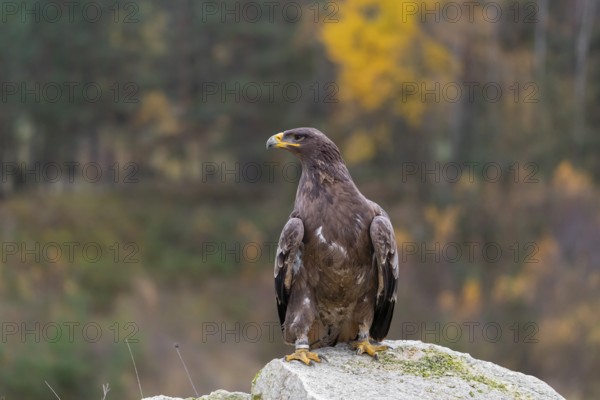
column 172, row 103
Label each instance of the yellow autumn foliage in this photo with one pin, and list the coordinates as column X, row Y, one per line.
column 157, row 112
column 358, row 148
column 528, row 283
column 571, row 181
column 471, row 297
column 382, row 51
column 443, row 221
column 362, row 144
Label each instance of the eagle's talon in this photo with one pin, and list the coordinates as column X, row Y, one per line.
column 304, row 356
column 366, row 347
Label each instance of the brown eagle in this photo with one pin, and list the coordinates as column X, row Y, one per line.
column 336, row 266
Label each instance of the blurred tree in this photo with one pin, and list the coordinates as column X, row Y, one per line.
column 384, row 56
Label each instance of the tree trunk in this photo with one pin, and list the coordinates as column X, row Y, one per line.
column 539, row 51
column 586, row 9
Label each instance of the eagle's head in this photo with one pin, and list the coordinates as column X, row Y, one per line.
column 306, row 143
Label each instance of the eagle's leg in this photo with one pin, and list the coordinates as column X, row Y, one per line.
column 302, row 353
column 362, row 345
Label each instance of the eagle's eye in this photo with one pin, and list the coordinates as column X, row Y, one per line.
column 298, row 138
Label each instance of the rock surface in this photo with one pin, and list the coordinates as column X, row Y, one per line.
column 216, row 395
column 408, row 370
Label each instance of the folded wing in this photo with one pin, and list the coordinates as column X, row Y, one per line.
column 385, row 259
column 288, row 260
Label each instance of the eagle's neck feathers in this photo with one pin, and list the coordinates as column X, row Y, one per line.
column 327, row 167
column 325, row 182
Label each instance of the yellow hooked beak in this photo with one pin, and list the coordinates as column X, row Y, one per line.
column 277, row 141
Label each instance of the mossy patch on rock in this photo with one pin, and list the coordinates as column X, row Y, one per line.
column 435, row 364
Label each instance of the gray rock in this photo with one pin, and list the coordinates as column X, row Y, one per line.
column 408, row 370
column 161, row 397
column 225, row 395
column 216, row 395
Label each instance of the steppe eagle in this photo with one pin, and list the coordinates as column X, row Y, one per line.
column 336, row 265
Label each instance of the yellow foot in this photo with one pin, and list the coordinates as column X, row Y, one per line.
column 366, row 347
column 303, row 355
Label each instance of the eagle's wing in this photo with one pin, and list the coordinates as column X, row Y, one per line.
column 288, row 260
column 385, row 259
